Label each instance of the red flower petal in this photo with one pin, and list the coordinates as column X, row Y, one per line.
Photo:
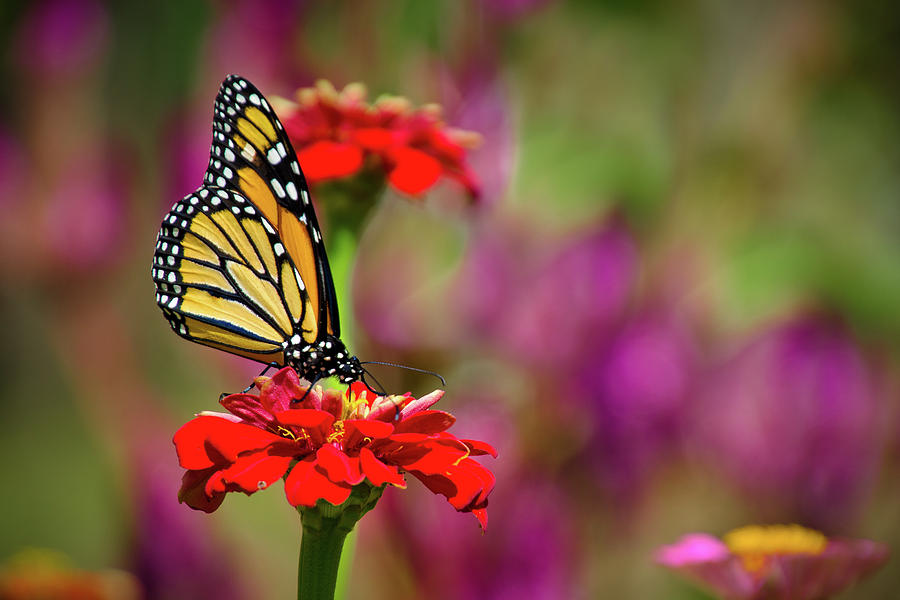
column 249, row 409
column 473, row 481
column 326, row 159
column 481, row 515
column 338, row 466
column 306, row 484
column 414, row 171
column 192, row 491
column 317, row 423
column 431, row 457
column 477, row 448
column 426, row 421
column 277, row 393
column 377, row 472
column 255, row 471
column 357, row 430
column 466, row 486
column 374, row 139
column 419, row 404
column 205, row 441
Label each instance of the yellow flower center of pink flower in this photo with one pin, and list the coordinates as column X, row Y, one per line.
column 757, row 544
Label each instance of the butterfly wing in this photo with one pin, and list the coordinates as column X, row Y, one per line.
column 240, row 264
column 224, row 280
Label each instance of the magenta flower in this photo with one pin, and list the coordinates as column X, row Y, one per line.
column 636, row 385
column 258, row 38
column 86, row 209
column 793, row 419
column 175, row 554
column 548, row 308
column 778, row 562
column 61, row 38
column 477, row 101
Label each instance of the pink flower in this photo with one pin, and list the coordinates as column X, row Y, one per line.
column 777, row 562
column 794, row 419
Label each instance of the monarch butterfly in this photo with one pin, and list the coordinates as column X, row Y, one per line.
column 240, row 264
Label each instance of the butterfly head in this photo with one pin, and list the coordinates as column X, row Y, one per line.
column 326, row 358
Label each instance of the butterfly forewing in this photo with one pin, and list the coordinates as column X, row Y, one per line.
column 251, row 153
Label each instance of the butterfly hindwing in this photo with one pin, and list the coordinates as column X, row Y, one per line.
column 224, row 279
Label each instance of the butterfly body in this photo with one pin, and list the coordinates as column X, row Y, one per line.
column 240, row 264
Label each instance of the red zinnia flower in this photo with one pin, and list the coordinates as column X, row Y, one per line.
column 339, row 134
column 325, row 445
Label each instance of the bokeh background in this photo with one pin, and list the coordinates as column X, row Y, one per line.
column 676, row 307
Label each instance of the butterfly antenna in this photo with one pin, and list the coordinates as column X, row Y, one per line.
column 252, row 383
column 261, row 373
column 388, row 364
column 381, row 391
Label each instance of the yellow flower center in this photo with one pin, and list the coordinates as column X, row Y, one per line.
column 337, row 432
column 756, row 544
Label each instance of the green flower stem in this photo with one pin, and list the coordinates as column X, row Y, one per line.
column 320, row 555
column 342, row 256
column 325, row 527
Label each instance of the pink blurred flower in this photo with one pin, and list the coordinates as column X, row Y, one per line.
column 637, row 385
column 477, row 101
column 794, row 419
column 256, row 38
column 12, row 173
column 548, row 309
column 61, row 38
column 185, row 153
column 76, row 211
column 780, row 562
column 84, row 219
column 175, row 555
